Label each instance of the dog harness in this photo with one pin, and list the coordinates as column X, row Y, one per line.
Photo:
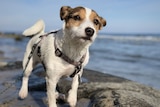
column 58, row 53
column 78, row 65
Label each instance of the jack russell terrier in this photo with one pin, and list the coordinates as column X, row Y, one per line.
column 64, row 52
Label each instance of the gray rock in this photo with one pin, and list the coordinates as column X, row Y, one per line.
column 10, row 65
column 100, row 90
column 127, row 94
column 3, row 64
column 111, row 91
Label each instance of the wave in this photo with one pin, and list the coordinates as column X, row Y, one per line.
column 131, row 38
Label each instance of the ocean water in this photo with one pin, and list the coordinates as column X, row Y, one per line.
column 132, row 56
column 135, row 57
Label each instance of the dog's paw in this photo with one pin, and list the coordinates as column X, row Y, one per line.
column 72, row 102
column 72, row 98
column 23, row 93
column 61, row 96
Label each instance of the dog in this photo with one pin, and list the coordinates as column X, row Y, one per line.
column 64, row 52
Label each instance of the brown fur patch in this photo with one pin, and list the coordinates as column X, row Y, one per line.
column 64, row 12
column 98, row 21
column 93, row 16
column 75, row 17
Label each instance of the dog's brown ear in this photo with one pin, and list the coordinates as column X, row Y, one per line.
column 64, row 12
column 103, row 22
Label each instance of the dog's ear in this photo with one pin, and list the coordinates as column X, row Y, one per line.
column 64, row 12
column 103, row 22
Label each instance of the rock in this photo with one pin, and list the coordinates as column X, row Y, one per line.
column 1, row 53
column 3, row 64
column 103, row 90
column 10, row 65
column 100, row 90
column 17, row 37
column 126, row 94
column 113, row 94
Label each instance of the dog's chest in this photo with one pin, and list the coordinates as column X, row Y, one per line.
column 68, row 70
column 49, row 58
column 62, row 65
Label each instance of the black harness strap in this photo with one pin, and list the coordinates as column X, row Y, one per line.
column 78, row 65
column 31, row 54
column 38, row 50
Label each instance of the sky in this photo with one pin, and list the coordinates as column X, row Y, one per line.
column 123, row 16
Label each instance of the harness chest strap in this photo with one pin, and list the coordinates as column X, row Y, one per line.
column 78, row 65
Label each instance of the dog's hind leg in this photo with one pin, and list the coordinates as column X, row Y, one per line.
column 24, row 88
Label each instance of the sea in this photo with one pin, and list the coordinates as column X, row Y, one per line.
column 133, row 56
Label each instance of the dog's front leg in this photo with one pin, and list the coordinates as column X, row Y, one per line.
column 72, row 95
column 51, row 91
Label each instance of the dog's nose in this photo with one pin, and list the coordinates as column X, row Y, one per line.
column 89, row 31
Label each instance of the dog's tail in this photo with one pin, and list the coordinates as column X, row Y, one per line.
column 37, row 28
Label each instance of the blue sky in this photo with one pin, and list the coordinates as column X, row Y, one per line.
column 123, row 16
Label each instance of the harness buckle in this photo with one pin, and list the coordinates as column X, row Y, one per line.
column 78, row 68
column 39, row 51
column 58, row 52
column 76, row 71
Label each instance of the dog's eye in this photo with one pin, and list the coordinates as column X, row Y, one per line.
column 77, row 17
column 96, row 21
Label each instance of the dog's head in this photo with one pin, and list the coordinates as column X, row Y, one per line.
column 81, row 23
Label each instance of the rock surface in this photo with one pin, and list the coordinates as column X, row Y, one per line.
column 97, row 90
column 104, row 91
column 127, row 94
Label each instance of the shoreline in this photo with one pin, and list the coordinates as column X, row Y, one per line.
column 97, row 90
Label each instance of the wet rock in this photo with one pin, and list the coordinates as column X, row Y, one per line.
column 100, row 90
column 110, row 94
column 10, row 65
column 103, row 90
column 17, row 37
column 126, row 94
column 1, row 53
column 3, row 64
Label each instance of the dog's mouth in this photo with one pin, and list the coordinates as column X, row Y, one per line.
column 86, row 38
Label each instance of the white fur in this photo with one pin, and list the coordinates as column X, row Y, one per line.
column 71, row 44
column 37, row 28
column 88, row 12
